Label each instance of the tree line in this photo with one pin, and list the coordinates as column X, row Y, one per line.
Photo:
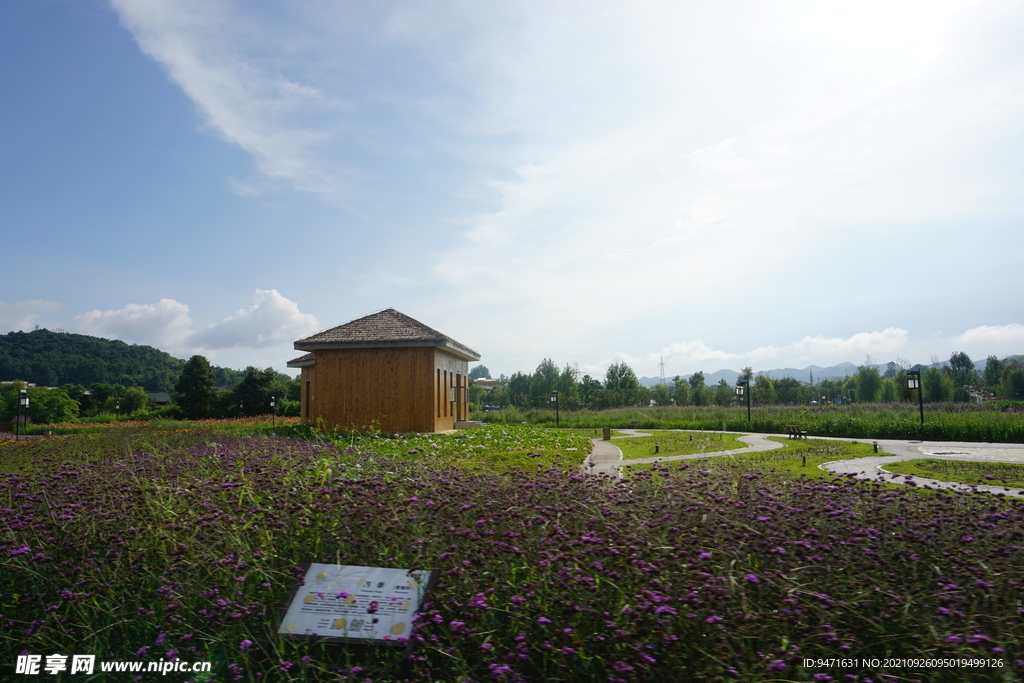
column 54, row 359
column 196, row 396
column 956, row 382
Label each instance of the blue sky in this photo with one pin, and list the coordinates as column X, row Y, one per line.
column 719, row 184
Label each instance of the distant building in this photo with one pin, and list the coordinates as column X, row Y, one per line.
column 488, row 384
column 384, row 371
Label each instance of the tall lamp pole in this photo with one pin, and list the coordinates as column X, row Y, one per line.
column 914, row 382
column 22, row 404
column 554, row 399
column 273, row 413
column 743, row 387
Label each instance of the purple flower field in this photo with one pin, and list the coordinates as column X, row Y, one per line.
column 186, row 544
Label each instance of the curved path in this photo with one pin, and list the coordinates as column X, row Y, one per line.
column 606, row 458
column 873, row 467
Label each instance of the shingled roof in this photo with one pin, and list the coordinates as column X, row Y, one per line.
column 388, row 328
column 302, row 361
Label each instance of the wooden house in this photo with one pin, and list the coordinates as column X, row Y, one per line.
column 385, row 371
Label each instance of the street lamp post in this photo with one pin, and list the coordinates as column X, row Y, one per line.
column 554, row 399
column 22, row 407
column 914, row 382
column 273, row 413
column 743, row 387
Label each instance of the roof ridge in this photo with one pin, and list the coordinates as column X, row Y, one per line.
column 387, row 327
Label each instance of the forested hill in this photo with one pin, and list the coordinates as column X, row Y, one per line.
column 54, row 359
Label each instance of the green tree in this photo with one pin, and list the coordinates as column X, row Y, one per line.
column 542, row 383
column 480, row 372
column 621, row 386
column 591, row 392
column 76, row 392
column 962, row 374
column 993, row 372
column 1011, row 384
column 569, row 389
column 196, row 390
column 519, row 390
column 498, row 396
column 937, row 385
column 746, row 375
column 699, row 394
column 763, row 391
column 889, row 392
column 661, row 395
column 789, row 390
column 868, row 384
column 135, row 398
column 828, row 389
column 680, row 391
column 47, row 405
column 724, row 393
column 476, row 397
column 252, row 394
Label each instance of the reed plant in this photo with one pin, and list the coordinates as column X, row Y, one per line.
column 943, row 422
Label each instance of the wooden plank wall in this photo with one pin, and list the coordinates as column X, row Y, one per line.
column 449, row 371
column 308, row 389
column 364, row 389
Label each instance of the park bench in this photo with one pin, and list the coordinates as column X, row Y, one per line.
column 634, row 424
column 795, row 432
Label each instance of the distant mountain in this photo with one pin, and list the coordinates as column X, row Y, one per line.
column 56, row 358
column 841, row 371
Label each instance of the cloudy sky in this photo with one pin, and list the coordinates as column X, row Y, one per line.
column 718, row 184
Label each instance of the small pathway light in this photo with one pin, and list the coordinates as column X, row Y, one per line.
column 22, row 408
column 914, row 382
column 743, row 387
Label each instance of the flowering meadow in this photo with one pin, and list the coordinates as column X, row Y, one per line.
column 183, row 544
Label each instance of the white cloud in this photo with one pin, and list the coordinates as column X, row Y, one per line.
column 164, row 325
column 24, row 315
column 230, row 67
column 272, row 319
column 816, row 350
column 998, row 340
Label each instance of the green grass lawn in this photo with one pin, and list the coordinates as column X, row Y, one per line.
column 798, row 457
column 676, row 443
column 963, row 471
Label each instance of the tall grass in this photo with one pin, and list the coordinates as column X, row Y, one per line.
column 943, row 422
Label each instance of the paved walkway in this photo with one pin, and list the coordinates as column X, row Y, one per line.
column 606, row 458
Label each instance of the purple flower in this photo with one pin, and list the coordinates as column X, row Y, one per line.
column 752, row 578
column 245, row 644
column 500, row 669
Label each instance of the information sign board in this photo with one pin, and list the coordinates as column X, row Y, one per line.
column 356, row 604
